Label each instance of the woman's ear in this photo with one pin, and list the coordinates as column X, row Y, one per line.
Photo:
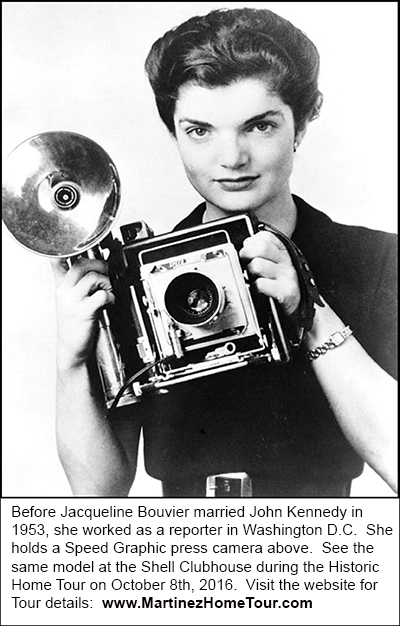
column 299, row 137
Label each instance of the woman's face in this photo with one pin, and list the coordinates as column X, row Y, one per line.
column 236, row 145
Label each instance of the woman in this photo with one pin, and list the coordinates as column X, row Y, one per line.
column 237, row 90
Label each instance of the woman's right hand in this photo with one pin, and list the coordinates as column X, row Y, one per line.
column 81, row 291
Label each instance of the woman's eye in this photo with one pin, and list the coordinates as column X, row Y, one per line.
column 262, row 127
column 197, row 132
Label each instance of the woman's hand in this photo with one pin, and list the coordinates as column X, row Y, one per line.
column 81, row 292
column 270, row 268
column 98, row 455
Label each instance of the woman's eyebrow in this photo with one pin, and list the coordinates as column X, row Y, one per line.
column 262, row 116
column 256, row 118
column 190, row 120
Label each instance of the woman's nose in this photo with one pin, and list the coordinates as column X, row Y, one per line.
column 232, row 152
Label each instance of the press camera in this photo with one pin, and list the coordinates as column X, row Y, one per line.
column 192, row 309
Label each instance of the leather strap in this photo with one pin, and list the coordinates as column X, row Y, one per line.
column 309, row 294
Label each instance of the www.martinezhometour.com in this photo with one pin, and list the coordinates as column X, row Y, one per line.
column 206, row 603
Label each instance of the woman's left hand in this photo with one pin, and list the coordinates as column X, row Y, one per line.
column 271, row 270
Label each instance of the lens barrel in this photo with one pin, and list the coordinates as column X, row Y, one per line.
column 193, row 298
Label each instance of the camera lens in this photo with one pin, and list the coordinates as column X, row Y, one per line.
column 193, row 298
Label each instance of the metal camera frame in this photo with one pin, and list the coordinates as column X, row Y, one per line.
column 241, row 326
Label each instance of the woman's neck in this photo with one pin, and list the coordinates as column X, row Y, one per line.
column 281, row 214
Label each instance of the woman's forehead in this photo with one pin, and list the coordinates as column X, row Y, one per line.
column 240, row 100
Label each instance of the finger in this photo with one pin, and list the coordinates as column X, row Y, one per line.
column 97, row 301
column 90, row 283
column 82, row 267
column 268, row 287
column 269, row 237
column 288, row 297
column 60, row 268
column 264, row 245
column 265, row 268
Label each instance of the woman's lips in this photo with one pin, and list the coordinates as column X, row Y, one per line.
column 236, row 184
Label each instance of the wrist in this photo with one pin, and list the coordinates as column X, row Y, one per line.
column 324, row 324
column 68, row 369
column 327, row 332
column 334, row 341
column 80, row 380
column 70, row 360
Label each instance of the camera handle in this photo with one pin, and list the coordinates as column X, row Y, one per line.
column 109, row 361
column 110, row 364
column 309, row 294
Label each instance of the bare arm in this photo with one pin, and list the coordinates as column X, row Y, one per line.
column 98, row 455
column 362, row 395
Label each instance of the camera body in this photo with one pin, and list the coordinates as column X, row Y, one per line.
column 185, row 304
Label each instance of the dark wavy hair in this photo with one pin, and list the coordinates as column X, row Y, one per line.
column 231, row 44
